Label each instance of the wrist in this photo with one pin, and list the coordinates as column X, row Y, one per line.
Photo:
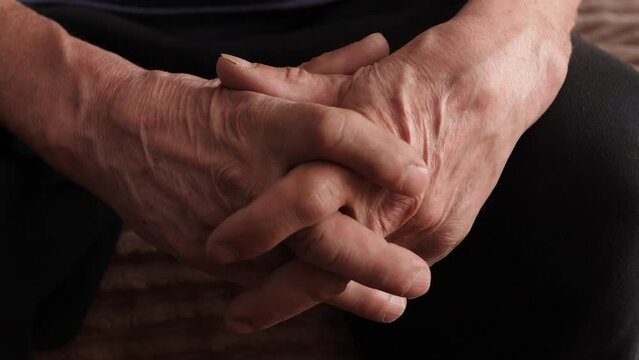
column 484, row 27
column 55, row 86
column 553, row 18
column 483, row 51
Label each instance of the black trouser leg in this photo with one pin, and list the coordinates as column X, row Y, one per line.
column 551, row 269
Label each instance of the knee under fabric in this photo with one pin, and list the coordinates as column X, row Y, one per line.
column 549, row 270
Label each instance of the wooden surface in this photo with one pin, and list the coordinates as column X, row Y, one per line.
column 151, row 307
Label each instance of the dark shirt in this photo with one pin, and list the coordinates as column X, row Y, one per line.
column 185, row 6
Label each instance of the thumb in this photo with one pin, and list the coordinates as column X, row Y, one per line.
column 295, row 84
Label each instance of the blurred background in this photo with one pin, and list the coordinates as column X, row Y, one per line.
column 613, row 25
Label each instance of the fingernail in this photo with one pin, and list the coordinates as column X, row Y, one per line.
column 377, row 34
column 394, row 309
column 415, row 180
column 238, row 61
column 239, row 327
column 221, row 253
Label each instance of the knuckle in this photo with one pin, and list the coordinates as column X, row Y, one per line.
column 321, row 195
column 314, row 246
column 435, row 214
column 330, row 130
column 333, row 258
column 294, row 74
column 234, row 117
column 439, row 244
column 228, row 177
column 308, row 244
column 311, row 207
column 326, row 289
column 396, row 211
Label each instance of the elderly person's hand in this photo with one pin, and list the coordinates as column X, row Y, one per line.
column 461, row 93
column 175, row 154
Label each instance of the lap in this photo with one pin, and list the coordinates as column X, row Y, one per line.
column 549, row 270
column 59, row 238
column 48, row 225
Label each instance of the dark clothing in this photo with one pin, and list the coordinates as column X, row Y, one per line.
column 56, row 243
column 173, row 7
column 550, row 270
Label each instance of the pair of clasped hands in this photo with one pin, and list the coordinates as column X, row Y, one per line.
column 339, row 181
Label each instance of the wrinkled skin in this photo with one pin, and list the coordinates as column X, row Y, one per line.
column 462, row 94
column 175, row 155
